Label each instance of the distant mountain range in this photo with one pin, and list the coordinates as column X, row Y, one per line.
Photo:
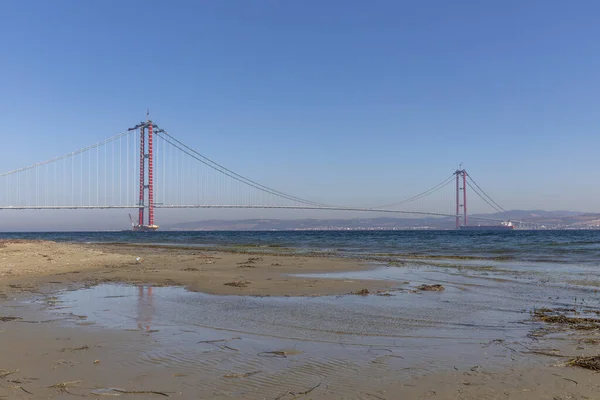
column 534, row 218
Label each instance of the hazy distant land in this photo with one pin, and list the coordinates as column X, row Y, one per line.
column 536, row 218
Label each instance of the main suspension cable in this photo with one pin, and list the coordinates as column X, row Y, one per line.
column 437, row 187
column 484, row 193
column 218, row 167
column 484, row 199
column 82, row 150
column 197, row 156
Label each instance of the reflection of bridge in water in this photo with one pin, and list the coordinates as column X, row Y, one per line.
column 145, row 308
column 147, row 169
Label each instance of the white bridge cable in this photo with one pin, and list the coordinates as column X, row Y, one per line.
column 483, row 198
column 181, row 174
column 497, row 206
column 64, row 156
column 435, row 188
column 72, row 180
column 225, row 171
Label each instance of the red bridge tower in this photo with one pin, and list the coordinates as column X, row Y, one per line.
column 463, row 188
column 146, row 161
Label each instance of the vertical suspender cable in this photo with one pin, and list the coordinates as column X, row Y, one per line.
column 97, row 176
column 72, row 180
column 127, row 169
column 105, row 178
column 165, row 148
column 121, row 171
column 89, row 200
column 112, row 170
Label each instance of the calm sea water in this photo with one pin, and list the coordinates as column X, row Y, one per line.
column 571, row 247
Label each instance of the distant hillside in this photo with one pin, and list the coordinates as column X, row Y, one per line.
column 552, row 219
column 315, row 224
column 531, row 214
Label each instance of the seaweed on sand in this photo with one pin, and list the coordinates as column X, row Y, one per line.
column 64, row 386
column 8, row 319
column 561, row 317
column 240, row 284
column 591, row 363
column 431, row 288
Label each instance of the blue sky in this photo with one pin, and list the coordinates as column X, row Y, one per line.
column 354, row 102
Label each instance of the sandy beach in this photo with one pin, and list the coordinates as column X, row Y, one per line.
column 32, row 265
column 52, row 348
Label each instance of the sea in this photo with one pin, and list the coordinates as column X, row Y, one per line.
column 573, row 247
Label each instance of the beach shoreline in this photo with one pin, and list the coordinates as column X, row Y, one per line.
column 49, row 351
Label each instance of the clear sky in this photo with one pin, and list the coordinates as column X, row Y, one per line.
column 353, row 102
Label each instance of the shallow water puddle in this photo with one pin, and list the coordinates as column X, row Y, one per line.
column 251, row 343
column 406, row 320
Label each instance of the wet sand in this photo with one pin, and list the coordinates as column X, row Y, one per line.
column 47, row 360
column 121, row 340
column 30, row 265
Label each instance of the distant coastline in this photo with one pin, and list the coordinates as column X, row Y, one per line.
column 536, row 219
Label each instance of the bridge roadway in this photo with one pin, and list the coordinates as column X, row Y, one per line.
column 223, row 206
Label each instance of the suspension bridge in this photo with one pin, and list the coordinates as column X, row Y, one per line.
column 145, row 168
